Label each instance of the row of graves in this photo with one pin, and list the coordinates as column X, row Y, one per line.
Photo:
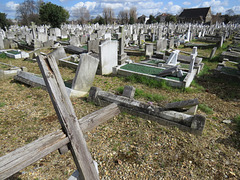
column 103, row 50
column 229, row 64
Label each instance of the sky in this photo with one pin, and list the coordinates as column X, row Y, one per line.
column 145, row 7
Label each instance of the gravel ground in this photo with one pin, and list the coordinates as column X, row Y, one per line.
column 127, row 147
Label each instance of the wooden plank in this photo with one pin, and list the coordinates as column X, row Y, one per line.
column 182, row 104
column 96, row 118
column 32, row 152
column 67, row 117
column 22, row 157
column 148, row 110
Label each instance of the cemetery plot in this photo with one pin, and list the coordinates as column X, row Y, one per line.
column 128, row 145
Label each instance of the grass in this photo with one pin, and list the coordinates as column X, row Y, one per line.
column 148, row 81
column 205, row 108
column 2, row 104
column 3, row 55
column 147, row 96
column 237, row 121
column 65, row 39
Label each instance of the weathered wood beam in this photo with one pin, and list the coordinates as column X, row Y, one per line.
column 26, row 155
column 67, row 117
column 162, row 115
column 182, row 104
column 22, row 157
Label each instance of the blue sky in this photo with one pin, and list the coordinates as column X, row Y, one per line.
column 145, row 7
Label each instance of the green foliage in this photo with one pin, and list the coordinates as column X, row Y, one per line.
column 4, row 22
column 148, row 96
column 171, row 18
column 53, row 14
column 205, row 108
column 131, row 20
column 151, row 20
column 195, row 87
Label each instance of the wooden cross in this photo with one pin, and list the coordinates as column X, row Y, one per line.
column 72, row 133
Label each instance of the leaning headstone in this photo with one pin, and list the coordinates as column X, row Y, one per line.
column 75, row 50
column 58, row 54
column 172, row 59
column 193, row 58
column 85, row 73
column 108, row 57
column 213, row 52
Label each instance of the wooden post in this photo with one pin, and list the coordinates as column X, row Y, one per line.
column 21, row 158
column 67, row 117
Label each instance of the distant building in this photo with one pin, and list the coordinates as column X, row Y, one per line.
column 196, row 15
column 142, row 19
column 162, row 17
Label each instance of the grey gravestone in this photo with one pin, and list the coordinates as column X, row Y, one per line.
column 108, row 56
column 129, row 91
column 93, row 46
column 58, row 54
column 74, row 40
column 1, row 43
column 85, row 73
column 149, row 50
column 75, row 50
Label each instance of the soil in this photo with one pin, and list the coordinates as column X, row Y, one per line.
column 128, row 147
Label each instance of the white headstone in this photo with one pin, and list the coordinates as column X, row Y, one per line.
column 108, row 56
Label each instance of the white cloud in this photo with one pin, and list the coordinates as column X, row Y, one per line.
column 236, row 9
column 186, row 3
column 11, row 5
column 216, row 5
column 112, row 5
column 89, row 5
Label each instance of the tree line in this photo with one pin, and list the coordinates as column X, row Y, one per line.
column 41, row 12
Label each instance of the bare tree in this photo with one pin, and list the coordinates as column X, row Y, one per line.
column 82, row 15
column 123, row 16
column 108, row 15
column 133, row 15
column 28, row 11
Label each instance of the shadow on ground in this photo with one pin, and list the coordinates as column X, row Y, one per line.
column 224, row 86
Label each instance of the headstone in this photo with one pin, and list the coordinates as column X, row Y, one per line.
column 149, row 50
column 122, row 57
column 74, row 49
column 129, row 91
column 172, row 59
column 74, row 40
column 161, row 45
column 1, row 43
column 192, row 62
column 107, row 36
column 58, row 54
column 64, row 34
column 85, row 73
column 108, row 57
column 93, row 46
column 171, row 43
column 42, row 37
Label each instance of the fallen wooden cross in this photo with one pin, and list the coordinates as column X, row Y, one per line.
column 164, row 115
column 72, row 129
